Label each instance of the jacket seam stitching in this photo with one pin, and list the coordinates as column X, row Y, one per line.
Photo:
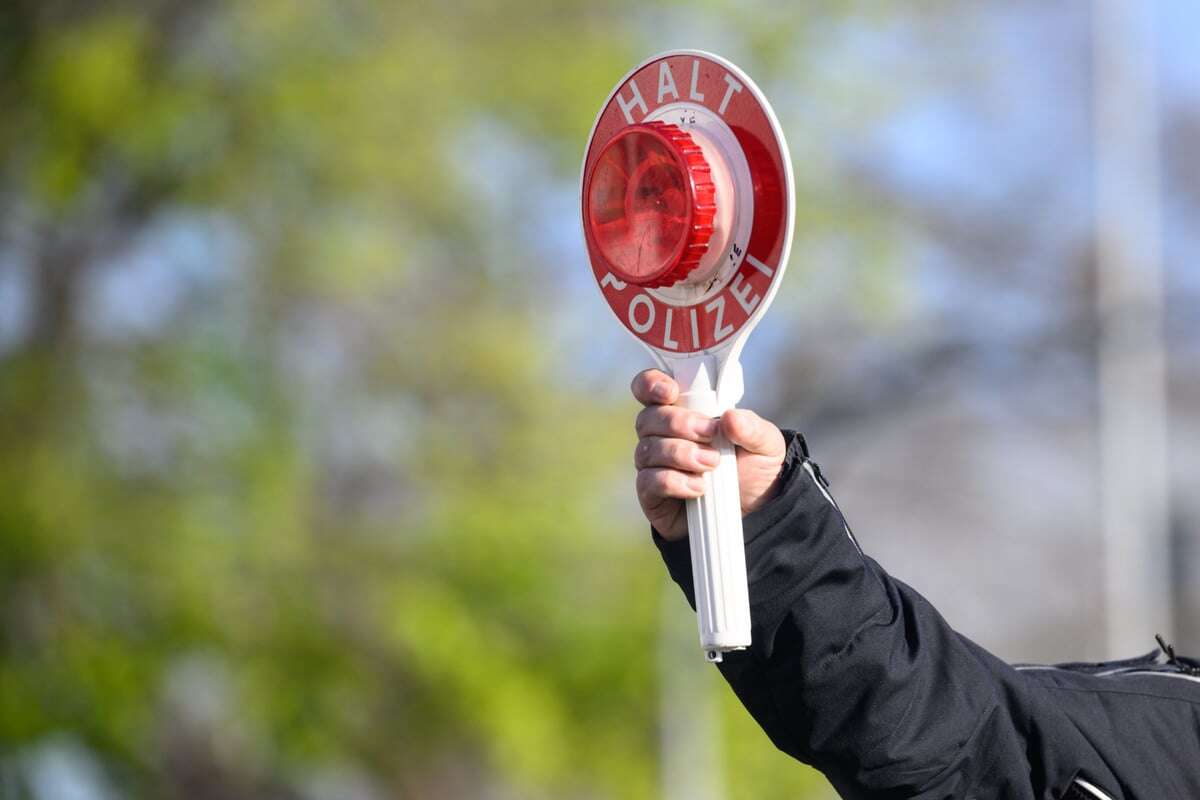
column 1089, row 690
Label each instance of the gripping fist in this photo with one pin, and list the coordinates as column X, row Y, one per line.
column 674, row 450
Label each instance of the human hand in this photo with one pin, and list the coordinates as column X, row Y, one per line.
column 675, row 449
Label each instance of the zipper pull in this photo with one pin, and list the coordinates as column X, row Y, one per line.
column 1173, row 659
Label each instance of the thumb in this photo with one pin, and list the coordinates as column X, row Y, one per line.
column 752, row 433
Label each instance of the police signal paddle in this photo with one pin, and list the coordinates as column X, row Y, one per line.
column 687, row 200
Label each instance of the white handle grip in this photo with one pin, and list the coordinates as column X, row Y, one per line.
column 718, row 550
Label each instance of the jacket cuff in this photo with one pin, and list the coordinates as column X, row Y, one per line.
column 677, row 554
column 803, row 567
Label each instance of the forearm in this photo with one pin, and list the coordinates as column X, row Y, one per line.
column 854, row 672
column 850, row 670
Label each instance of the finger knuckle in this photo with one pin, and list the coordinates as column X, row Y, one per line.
column 641, row 453
column 640, row 423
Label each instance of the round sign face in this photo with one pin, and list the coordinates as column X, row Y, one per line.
column 716, row 103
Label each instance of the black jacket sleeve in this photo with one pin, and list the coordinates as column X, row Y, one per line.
column 855, row 673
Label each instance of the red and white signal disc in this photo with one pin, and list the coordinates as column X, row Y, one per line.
column 693, row 98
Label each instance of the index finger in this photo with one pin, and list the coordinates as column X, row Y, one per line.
column 653, row 387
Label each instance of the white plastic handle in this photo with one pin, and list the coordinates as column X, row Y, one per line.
column 717, row 547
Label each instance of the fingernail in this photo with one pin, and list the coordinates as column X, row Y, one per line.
column 659, row 391
column 705, row 427
column 696, row 484
column 709, row 458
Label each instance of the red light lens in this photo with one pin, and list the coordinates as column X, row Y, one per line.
column 639, row 206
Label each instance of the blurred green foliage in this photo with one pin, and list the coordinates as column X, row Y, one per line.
column 203, row 579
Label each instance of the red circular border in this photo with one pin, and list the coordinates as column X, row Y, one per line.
column 714, row 321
